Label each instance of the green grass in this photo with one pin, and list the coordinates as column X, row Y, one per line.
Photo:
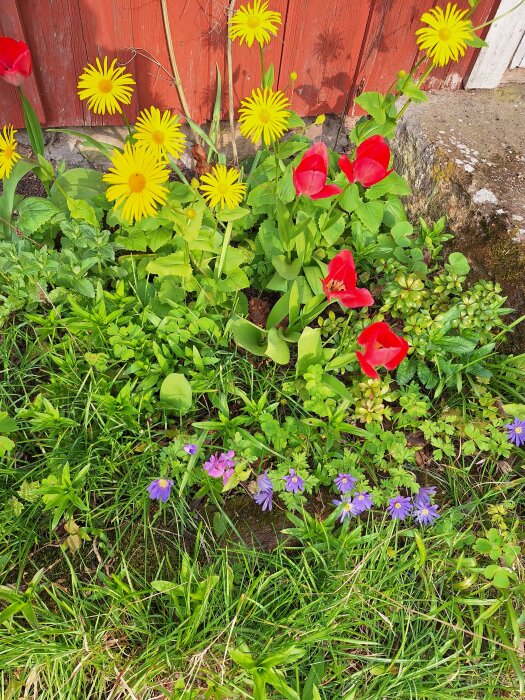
column 374, row 611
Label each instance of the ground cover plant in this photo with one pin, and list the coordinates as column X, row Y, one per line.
column 259, row 435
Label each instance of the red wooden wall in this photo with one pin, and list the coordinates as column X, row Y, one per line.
column 338, row 48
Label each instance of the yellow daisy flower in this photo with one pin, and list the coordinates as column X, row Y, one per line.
column 254, row 23
column 104, row 88
column 445, row 37
column 221, row 187
column 8, row 154
column 160, row 133
column 264, row 114
column 137, row 182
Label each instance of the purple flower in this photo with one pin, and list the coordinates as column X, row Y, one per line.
column 362, row 501
column 345, row 482
column 219, row 464
column 422, row 497
column 516, row 432
column 227, row 474
column 425, row 514
column 264, row 483
column 264, row 499
column 348, row 509
column 293, row 482
column 190, row 449
column 160, row 488
column 263, row 496
column 214, row 466
column 399, row 507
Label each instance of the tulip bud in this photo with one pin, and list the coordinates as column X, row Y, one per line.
column 15, row 61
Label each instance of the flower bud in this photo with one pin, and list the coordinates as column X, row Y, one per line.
column 293, row 76
column 320, row 119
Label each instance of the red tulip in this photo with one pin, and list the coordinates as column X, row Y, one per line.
column 370, row 164
column 383, row 348
column 309, row 177
column 341, row 280
column 15, row 60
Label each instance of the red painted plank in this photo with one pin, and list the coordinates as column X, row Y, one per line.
column 10, row 108
column 322, row 43
column 389, row 46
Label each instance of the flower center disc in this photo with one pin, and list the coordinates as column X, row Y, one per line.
column 264, row 116
column 105, row 85
column 157, row 136
column 253, row 22
column 222, row 188
column 136, row 182
column 163, row 483
column 8, row 152
column 444, row 34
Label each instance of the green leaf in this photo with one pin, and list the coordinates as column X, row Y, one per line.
column 35, row 212
column 78, row 183
column 7, row 424
column 337, row 386
column 269, row 77
column 287, row 270
column 332, row 228
column 279, row 311
column 174, row 264
column 373, row 103
column 457, row 345
column 242, row 659
column 82, row 211
column 476, row 41
column 399, row 233
column 21, row 168
column 6, row 444
column 295, row 121
column 158, row 238
column 309, row 349
column 349, row 200
column 176, row 393
column 249, row 336
column 392, row 184
column 277, row 348
column 34, row 130
column 457, row 264
column 371, row 215
column 409, row 87
column 232, row 214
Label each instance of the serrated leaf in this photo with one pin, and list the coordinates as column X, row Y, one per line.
column 174, row 264
column 373, row 103
column 34, row 212
column 371, row 215
column 392, row 184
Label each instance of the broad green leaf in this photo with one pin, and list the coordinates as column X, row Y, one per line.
column 232, row 214
column 34, row 212
column 371, row 215
column 7, row 424
column 78, row 183
column 373, row 103
column 392, row 184
column 457, row 264
column 309, row 349
column 9, row 184
column 349, row 200
column 277, row 348
column 174, row 264
column 158, row 238
column 80, row 210
column 176, row 393
column 249, row 336
column 287, row 270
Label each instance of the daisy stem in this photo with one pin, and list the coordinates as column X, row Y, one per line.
column 128, row 126
column 419, row 84
column 496, row 19
column 225, row 243
column 262, row 65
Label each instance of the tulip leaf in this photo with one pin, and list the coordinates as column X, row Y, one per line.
column 34, row 130
column 176, row 393
column 309, row 349
column 287, row 270
column 277, row 348
column 249, row 336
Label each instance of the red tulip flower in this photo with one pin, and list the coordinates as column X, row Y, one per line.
column 383, row 348
column 371, row 162
column 340, row 283
column 15, row 60
column 309, row 177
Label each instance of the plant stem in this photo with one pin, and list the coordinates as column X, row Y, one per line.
column 230, row 88
column 496, row 19
column 173, row 61
column 262, row 64
column 420, row 83
column 225, row 243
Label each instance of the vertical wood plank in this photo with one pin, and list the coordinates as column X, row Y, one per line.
column 389, row 46
column 10, row 109
column 322, row 43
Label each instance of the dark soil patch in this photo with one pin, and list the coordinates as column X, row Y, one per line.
column 29, row 186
